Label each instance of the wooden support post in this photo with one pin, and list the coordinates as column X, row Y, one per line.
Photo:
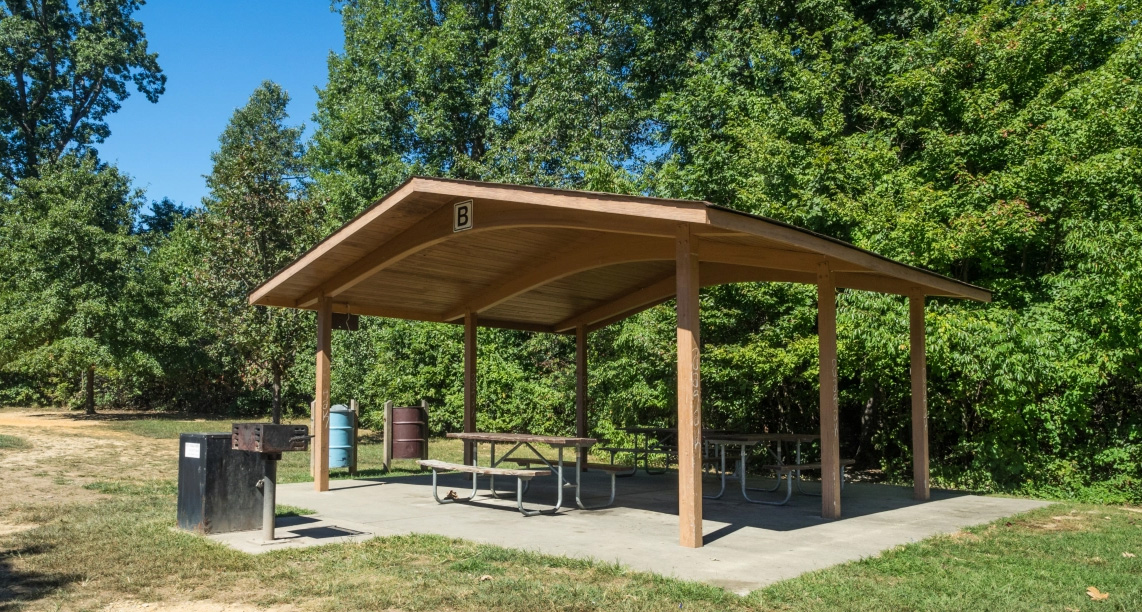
column 321, row 394
column 689, row 391
column 313, row 447
column 830, row 433
column 424, row 447
column 356, row 425
column 387, row 450
column 469, row 384
column 581, row 380
column 919, row 371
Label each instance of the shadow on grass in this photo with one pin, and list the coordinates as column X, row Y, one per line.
column 137, row 416
column 19, row 587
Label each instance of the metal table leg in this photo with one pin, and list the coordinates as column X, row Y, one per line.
column 777, row 458
column 722, row 456
column 578, row 484
column 788, row 492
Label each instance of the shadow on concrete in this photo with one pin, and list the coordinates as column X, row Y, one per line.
column 659, row 494
column 293, row 520
column 324, row 533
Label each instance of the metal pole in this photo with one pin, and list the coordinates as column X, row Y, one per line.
column 269, row 493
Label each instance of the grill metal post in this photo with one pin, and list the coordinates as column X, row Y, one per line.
column 269, row 495
column 270, row 441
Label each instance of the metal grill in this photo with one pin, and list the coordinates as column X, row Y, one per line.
column 267, row 438
column 270, row 441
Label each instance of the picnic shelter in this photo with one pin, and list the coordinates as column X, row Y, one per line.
column 570, row 262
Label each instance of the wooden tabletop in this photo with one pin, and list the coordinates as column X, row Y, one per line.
column 761, row 437
column 484, row 436
column 672, row 430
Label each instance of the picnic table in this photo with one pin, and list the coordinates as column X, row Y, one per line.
column 773, row 443
column 525, row 443
column 665, row 443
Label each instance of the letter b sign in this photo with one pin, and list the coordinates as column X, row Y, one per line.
column 462, row 216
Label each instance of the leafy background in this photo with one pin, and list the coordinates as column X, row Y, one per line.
column 995, row 142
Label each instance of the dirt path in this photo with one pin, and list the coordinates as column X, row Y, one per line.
column 66, row 453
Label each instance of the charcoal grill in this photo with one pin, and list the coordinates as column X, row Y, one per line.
column 270, row 441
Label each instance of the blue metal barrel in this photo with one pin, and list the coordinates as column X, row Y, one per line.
column 342, row 436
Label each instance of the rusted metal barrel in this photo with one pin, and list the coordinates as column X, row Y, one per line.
column 410, row 432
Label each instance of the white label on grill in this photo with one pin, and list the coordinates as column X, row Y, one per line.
column 193, row 450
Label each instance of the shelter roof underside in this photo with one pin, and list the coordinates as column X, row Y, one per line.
column 549, row 260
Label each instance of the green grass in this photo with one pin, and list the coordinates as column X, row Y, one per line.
column 288, row 510
column 123, row 547
column 13, row 443
column 1042, row 560
column 294, row 467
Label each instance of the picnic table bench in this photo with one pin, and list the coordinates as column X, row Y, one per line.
column 521, row 476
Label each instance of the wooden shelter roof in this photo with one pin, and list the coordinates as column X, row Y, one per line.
column 549, row 260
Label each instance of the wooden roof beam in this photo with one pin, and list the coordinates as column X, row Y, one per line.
column 437, row 227
column 709, row 274
column 649, row 295
column 764, row 257
column 597, row 253
column 844, row 252
column 431, row 230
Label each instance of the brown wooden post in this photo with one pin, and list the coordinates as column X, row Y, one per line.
column 919, row 370
column 581, row 380
column 313, row 447
column 830, row 434
column 469, row 383
column 356, row 425
column 321, row 394
column 387, row 447
column 424, row 447
column 689, row 391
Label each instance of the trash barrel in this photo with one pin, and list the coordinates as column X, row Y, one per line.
column 342, row 436
column 410, row 432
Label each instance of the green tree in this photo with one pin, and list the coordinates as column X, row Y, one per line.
column 256, row 219
column 63, row 69
column 529, row 92
column 997, row 142
column 67, row 278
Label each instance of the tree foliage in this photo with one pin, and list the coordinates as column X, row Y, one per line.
column 996, row 142
column 64, row 69
column 68, row 282
column 256, row 219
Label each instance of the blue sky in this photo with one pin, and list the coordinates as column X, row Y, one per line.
column 215, row 54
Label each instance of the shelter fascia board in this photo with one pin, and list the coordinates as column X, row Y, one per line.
column 366, row 217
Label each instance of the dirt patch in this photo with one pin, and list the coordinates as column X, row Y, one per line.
column 10, row 528
column 1063, row 523
column 64, row 454
column 963, row 536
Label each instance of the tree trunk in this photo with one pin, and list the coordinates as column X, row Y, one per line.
column 89, row 403
column 276, row 414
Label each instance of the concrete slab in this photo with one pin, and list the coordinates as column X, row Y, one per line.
column 296, row 532
column 747, row 546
